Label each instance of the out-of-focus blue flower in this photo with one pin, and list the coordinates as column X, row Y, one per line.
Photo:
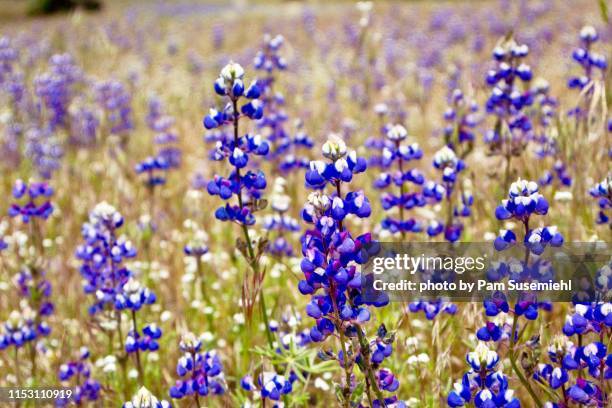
column 32, row 201
column 116, row 103
column 103, row 254
column 603, row 193
column 508, row 100
column 86, row 389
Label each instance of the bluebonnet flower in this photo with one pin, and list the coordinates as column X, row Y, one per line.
column 584, row 392
column 21, row 327
column 133, row 296
column 292, row 158
column 494, row 331
column 106, row 277
column 513, row 128
column 155, row 169
column 591, row 62
column 34, row 289
column 461, row 120
column 116, row 104
column 103, row 255
column 483, row 385
column 197, row 244
column 268, row 61
column 446, row 161
column 397, row 153
column 144, row 399
column 523, row 201
column 603, row 193
column 86, row 389
column 44, row 149
column 9, row 55
column 145, row 341
column 280, row 222
column 341, row 167
column 33, row 201
column 165, row 136
column 566, row 358
column 545, row 136
column 432, row 308
column 377, row 143
column 285, row 147
column 247, row 186
column 482, row 358
column 84, row 125
column 167, row 156
column 558, row 173
column 289, row 332
column 270, row 386
column 54, row 88
column 331, row 254
column 201, row 372
column 195, row 248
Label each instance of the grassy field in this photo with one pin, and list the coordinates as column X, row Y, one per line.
column 83, row 124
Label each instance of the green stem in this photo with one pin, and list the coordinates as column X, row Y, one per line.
column 347, row 372
column 253, row 262
column 138, row 364
column 365, row 350
column 515, row 367
column 201, row 277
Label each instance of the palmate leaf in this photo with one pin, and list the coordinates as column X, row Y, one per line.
column 300, row 360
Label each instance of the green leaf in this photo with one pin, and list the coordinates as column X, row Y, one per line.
column 339, row 393
column 358, row 393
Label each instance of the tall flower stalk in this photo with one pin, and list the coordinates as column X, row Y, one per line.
column 117, row 292
column 27, row 325
column 509, row 97
column 396, row 158
column 523, row 202
column 245, row 188
column 331, row 275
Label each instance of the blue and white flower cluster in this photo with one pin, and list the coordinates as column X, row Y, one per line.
column 590, row 61
column 201, row 372
column 446, row 190
column 523, row 201
column 86, row 389
column 508, row 101
column 399, row 154
column 237, row 149
column 484, row 385
column 33, row 201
